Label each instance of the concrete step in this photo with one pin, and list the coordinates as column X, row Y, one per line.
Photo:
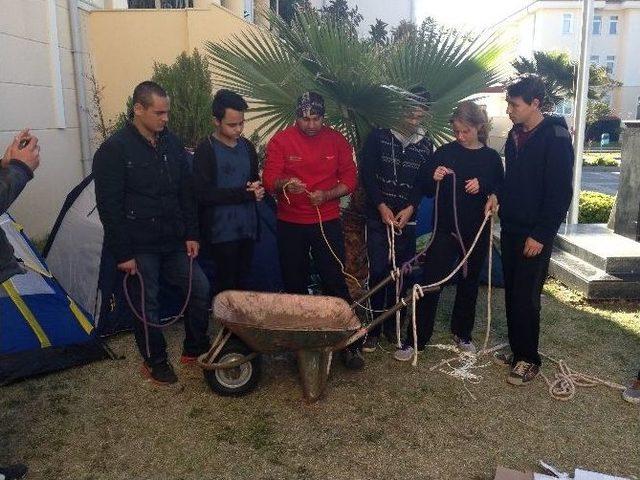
column 592, row 282
column 599, row 246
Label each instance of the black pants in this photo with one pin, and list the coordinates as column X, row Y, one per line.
column 231, row 263
column 523, row 281
column 441, row 258
column 174, row 269
column 380, row 267
column 296, row 241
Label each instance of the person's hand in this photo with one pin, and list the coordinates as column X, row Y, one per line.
column 472, row 186
column 403, row 216
column 491, row 207
column 257, row 189
column 318, row 197
column 386, row 215
column 29, row 155
column 532, row 247
column 129, row 267
column 193, row 248
column 295, row 185
column 440, row 173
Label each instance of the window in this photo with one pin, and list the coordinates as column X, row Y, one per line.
column 613, row 25
column 567, row 23
column 565, row 107
column 638, row 110
column 610, row 65
column 594, row 60
column 597, row 25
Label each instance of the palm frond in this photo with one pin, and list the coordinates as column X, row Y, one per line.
column 363, row 86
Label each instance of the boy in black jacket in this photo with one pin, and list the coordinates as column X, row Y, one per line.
column 227, row 185
column 148, row 211
column 534, row 201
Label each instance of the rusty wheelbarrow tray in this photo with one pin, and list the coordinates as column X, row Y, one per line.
column 253, row 323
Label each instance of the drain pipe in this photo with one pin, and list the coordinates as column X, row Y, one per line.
column 81, row 97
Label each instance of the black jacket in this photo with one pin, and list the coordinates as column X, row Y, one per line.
column 537, row 188
column 143, row 194
column 484, row 164
column 13, row 179
column 391, row 174
column 208, row 192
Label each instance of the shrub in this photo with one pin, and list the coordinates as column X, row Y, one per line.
column 595, row 207
column 188, row 83
column 610, row 125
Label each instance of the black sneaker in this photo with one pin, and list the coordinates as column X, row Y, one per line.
column 13, row 472
column 523, row 373
column 353, row 359
column 370, row 344
column 160, row 374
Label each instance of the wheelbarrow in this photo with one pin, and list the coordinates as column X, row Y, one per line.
column 255, row 323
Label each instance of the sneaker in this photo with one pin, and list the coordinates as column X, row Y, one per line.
column 404, row 354
column 13, row 472
column 353, row 359
column 632, row 393
column 503, row 358
column 464, row 345
column 160, row 374
column 370, row 344
column 523, row 373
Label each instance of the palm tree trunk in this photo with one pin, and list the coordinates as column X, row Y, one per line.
column 353, row 226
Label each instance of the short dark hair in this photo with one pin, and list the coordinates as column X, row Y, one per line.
column 224, row 99
column 528, row 87
column 143, row 92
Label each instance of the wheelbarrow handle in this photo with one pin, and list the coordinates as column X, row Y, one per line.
column 404, row 302
column 371, row 292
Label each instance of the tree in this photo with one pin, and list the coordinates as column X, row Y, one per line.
column 559, row 72
column 363, row 85
column 378, row 33
column 405, row 31
column 188, row 83
column 338, row 11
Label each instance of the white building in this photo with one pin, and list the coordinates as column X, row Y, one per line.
column 389, row 12
column 555, row 25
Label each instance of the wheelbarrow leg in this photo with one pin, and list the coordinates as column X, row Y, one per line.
column 314, row 366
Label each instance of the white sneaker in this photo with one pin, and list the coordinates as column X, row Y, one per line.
column 404, row 354
column 464, row 345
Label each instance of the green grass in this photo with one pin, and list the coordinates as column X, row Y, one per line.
column 391, row 421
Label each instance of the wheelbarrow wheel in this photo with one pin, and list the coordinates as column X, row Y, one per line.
column 236, row 381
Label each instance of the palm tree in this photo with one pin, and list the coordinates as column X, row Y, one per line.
column 363, row 84
column 559, row 72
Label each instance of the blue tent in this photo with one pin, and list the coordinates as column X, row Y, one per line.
column 42, row 329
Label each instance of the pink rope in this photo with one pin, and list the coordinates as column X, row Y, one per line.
column 408, row 265
column 142, row 316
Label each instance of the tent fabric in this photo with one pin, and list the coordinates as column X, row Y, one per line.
column 87, row 270
column 41, row 328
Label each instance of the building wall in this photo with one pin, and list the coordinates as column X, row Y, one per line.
column 33, row 94
column 158, row 35
column 540, row 28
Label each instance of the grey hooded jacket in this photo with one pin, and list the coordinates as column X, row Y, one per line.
column 13, row 179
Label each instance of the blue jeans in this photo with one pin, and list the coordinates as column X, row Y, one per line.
column 173, row 267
